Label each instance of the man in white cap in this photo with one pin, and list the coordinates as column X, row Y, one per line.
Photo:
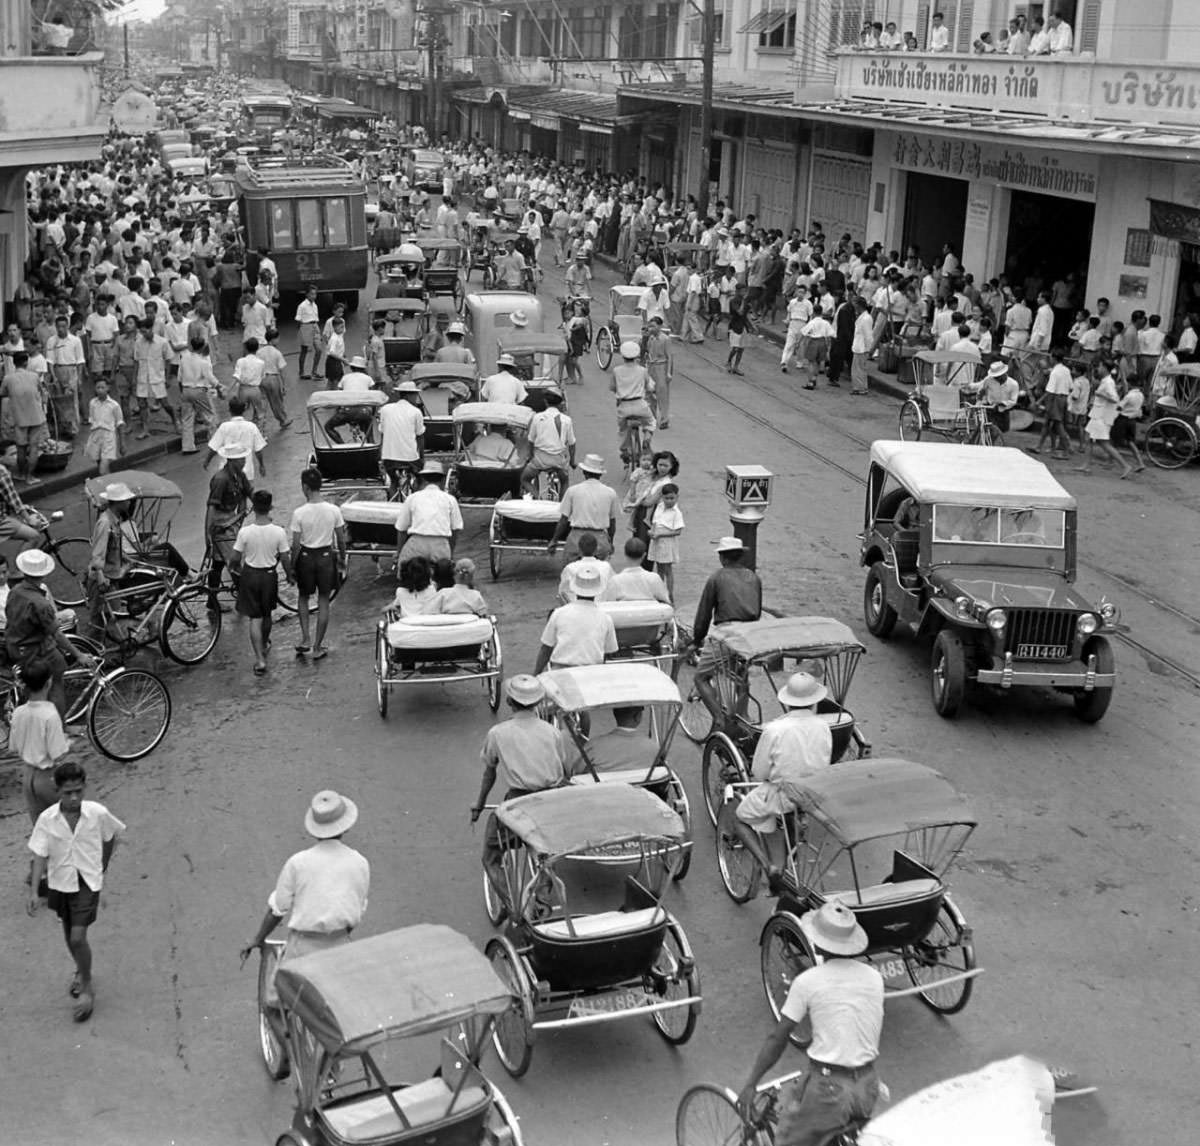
column 455, row 350
column 589, row 506
column 504, row 385
column 238, row 430
column 527, row 754
column 578, row 277
column 578, row 633
column 228, row 503
column 791, row 748
column 322, row 891
column 356, row 376
column 632, row 385
column 732, row 593
column 430, row 521
column 402, row 431
column 842, row 997
column 1002, row 393
column 587, row 560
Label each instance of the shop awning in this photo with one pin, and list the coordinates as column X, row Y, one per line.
column 1175, row 221
column 763, row 23
column 590, row 110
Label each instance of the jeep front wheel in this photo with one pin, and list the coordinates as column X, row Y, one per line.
column 878, row 613
column 948, row 673
column 1091, row 706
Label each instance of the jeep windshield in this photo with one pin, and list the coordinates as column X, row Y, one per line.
column 985, row 525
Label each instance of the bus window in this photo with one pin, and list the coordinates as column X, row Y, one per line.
column 308, row 212
column 337, row 231
column 282, row 237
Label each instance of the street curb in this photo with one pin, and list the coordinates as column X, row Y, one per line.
column 70, row 478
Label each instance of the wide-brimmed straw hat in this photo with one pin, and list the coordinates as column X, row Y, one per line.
column 997, row 370
column 802, row 690
column 524, row 689
column 730, row 545
column 592, row 464
column 833, row 928
column 35, row 563
column 519, row 318
column 118, row 491
column 330, row 814
column 587, row 582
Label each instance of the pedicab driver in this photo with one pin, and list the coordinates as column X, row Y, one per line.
column 842, row 997
column 578, row 633
column 589, row 506
column 526, row 754
column 632, row 384
column 732, row 593
column 322, row 891
column 791, row 748
column 429, row 521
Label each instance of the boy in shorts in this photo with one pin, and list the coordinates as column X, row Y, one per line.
column 261, row 545
column 106, row 440
column 126, row 367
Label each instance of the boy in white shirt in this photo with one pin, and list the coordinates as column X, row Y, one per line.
column 817, row 336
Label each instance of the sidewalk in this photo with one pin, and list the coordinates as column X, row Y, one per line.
column 81, row 467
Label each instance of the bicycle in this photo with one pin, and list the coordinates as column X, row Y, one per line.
column 636, row 440
column 72, row 556
column 127, row 710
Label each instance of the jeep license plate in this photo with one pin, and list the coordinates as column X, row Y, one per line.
column 1042, row 652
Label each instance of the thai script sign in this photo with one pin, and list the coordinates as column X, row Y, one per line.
column 981, row 83
column 1162, row 95
column 1068, row 174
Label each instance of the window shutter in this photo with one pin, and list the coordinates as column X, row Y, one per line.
column 966, row 16
column 923, row 25
column 1088, row 32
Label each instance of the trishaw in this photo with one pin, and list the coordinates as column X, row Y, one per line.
column 574, row 698
column 588, row 939
column 411, row 260
column 490, row 450
column 353, row 1021
column 689, row 253
column 481, row 255
column 407, row 324
column 754, row 659
column 346, row 440
column 443, row 386
column 879, row 836
column 946, row 400
column 523, row 526
column 647, row 631
column 540, row 361
column 625, row 322
column 436, row 648
column 443, row 267
column 1173, row 435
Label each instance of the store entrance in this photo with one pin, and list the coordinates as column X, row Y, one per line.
column 1187, row 292
column 1048, row 239
column 935, row 213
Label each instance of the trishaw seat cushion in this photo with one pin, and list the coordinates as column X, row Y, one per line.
column 536, row 510
column 602, row 924
column 627, row 614
column 657, row 775
column 438, row 631
column 422, row 1104
column 838, row 719
column 881, row 893
column 628, row 325
column 371, row 512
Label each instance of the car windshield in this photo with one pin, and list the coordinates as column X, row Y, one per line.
column 984, row 525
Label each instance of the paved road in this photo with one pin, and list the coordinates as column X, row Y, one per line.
column 1080, row 882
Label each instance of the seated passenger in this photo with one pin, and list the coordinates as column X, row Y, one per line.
column 462, row 596
column 491, row 448
column 632, row 582
column 791, row 748
column 416, row 590
column 623, row 747
column 587, row 560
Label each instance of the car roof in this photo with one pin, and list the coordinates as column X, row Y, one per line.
column 971, row 475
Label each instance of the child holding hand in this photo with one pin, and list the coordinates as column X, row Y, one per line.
column 666, row 526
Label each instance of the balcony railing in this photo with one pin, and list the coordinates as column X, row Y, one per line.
column 44, row 97
column 1069, row 88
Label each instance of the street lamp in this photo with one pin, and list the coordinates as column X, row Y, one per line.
column 748, row 491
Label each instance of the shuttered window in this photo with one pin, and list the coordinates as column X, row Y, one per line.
column 923, row 25
column 1088, row 33
column 966, row 17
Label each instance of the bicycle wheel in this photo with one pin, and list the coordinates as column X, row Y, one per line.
column 695, row 718
column 740, row 871
column 911, row 422
column 675, row 977
column 604, row 348
column 1171, row 443
column 274, row 1049
column 944, row 952
column 987, row 434
column 190, row 630
column 129, row 714
column 721, row 764
column 708, row 1116
column 783, row 955
column 71, row 556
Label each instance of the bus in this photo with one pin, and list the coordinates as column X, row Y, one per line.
column 310, row 215
column 263, row 114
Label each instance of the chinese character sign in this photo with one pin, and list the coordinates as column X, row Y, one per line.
column 360, row 24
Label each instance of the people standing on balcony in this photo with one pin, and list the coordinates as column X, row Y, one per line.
column 939, row 34
column 1039, row 42
column 1060, row 37
column 890, row 40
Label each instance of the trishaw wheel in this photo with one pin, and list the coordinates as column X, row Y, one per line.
column 1170, row 442
column 879, row 615
column 493, row 903
column 911, row 422
column 695, row 719
column 274, row 1050
column 988, row 434
column 381, row 670
column 708, row 1116
column 948, row 673
column 679, row 800
column 945, row 951
column 489, row 278
column 512, row 1033
column 495, row 561
column 721, row 764
column 740, row 872
column 190, row 630
column 784, row 953
column 71, row 556
column 1090, row 707
column 494, row 666
column 604, row 348
column 681, row 980
column 130, row 715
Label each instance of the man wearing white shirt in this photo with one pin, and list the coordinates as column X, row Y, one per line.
column 309, row 318
column 1043, row 324
column 1039, row 42
column 248, row 372
column 1060, row 35
column 939, row 35
column 102, row 328
column 799, row 312
column 503, row 386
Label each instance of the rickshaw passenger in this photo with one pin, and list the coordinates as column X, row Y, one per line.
column 454, row 350
column 622, row 747
column 416, row 589
column 395, row 285
column 732, row 593
column 587, row 559
column 633, row 582
column 791, row 748
column 526, row 754
column 462, row 597
column 491, row 448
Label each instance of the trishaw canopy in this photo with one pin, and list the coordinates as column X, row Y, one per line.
column 143, row 483
column 947, row 357
column 433, row 372
column 867, row 799
column 1182, row 369
column 336, row 399
column 402, row 983
column 805, row 636
column 971, row 475
column 430, row 244
column 624, row 299
column 578, row 819
column 403, row 305
column 520, row 342
column 602, row 686
column 405, row 253
column 493, row 413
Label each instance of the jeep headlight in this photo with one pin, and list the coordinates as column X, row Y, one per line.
column 996, row 619
column 962, row 606
column 1087, row 624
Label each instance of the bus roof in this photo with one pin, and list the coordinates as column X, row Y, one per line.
column 279, row 174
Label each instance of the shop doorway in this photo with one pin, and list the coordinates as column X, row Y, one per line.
column 1048, row 239
column 1187, row 292
column 935, row 213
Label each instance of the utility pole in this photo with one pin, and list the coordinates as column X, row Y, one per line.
column 125, row 31
column 706, row 108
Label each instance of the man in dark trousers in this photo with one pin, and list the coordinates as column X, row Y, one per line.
column 843, row 338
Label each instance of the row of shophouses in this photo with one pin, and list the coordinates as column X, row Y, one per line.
column 1083, row 163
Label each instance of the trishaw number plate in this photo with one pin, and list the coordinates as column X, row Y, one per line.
column 610, row 1004
column 893, row 968
column 1041, row 652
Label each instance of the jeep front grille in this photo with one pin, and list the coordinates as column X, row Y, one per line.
column 1040, row 634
